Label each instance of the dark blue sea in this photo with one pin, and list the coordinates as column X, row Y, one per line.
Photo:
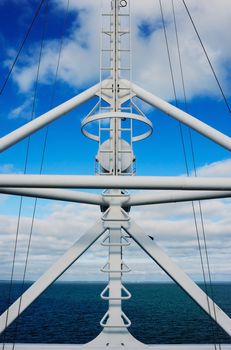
column 71, row 312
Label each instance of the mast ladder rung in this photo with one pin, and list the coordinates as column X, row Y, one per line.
column 106, row 151
column 104, row 31
column 121, row 297
column 125, row 68
column 115, row 244
column 125, row 88
column 103, row 322
column 119, row 244
column 124, row 151
column 106, row 68
column 125, row 108
column 124, row 50
column 106, row 174
column 105, row 270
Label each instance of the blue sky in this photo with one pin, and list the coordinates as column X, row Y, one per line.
column 69, row 152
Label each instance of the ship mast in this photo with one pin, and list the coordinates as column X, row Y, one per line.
column 115, row 155
column 115, row 320
column 110, row 124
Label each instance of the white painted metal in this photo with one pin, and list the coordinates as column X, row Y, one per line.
column 113, row 319
column 115, row 339
column 45, row 119
column 131, row 200
column 190, row 287
column 183, row 117
column 114, row 119
column 128, row 347
column 57, row 194
column 104, row 157
column 116, row 182
column 51, row 275
column 115, row 91
column 118, row 115
column 174, row 197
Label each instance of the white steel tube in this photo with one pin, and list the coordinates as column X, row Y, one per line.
column 45, row 119
column 190, row 287
column 174, row 197
column 183, row 117
column 116, row 182
column 51, row 275
column 62, row 195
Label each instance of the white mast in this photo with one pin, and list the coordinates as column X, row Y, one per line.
column 115, row 113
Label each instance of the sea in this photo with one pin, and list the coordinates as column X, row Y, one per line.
column 70, row 313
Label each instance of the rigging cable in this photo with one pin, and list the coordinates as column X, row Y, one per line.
column 207, row 57
column 37, row 12
column 21, row 198
column 42, row 163
column 195, row 173
column 184, row 148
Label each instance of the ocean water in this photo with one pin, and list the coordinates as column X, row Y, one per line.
column 71, row 312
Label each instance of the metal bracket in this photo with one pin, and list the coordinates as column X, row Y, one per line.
column 104, row 324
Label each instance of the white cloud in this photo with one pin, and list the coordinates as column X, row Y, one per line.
column 6, row 168
column 79, row 63
column 152, row 70
column 80, row 57
column 172, row 226
column 220, row 169
column 23, row 111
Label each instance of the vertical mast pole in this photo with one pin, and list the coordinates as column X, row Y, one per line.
column 115, row 249
column 115, row 85
column 115, row 319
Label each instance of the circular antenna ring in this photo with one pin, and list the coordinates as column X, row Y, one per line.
column 96, row 117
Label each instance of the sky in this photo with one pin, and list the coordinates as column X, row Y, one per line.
column 58, row 225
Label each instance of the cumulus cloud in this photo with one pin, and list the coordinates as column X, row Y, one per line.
column 153, row 70
column 220, row 169
column 172, row 226
column 23, row 111
column 80, row 55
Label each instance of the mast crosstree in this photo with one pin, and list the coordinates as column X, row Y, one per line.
column 112, row 123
